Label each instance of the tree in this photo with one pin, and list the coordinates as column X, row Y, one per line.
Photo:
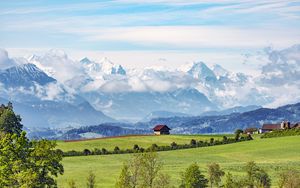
column 86, row 152
column 192, row 178
column 193, row 142
column 162, row 181
column 136, row 147
column 229, row 181
column 143, row 170
column 46, row 160
column 28, row 164
column 150, row 166
column 124, row 178
column 174, row 145
column 116, row 149
column 25, row 163
column 91, row 180
column 215, row 174
column 289, row 179
column 256, row 176
column 237, row 133
column 9, row 121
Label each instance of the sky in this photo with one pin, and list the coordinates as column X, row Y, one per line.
column 140, row 33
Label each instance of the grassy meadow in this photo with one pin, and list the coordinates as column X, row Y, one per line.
column 127, row 142
column 273, row 154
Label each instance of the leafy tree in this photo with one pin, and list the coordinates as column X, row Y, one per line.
column 256, row 176
column 215, row 174
column 9, row 121
column 24, row 163
column 289, row 179
column 211, row 141
column 237, row 133
column 86, row 152
column 174, row 145
column 28, row 164
column 150, row 166
column 116, row 149
column 193, row 142
column 142, row 170
column 136, row 147
column 91, row 180
column 229, row 181
column 47, row 161
column 192, row 178
column 124, row 178
column 162, row 181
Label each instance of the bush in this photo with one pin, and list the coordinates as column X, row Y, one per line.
column 280, row 133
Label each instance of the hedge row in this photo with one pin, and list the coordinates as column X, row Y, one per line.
column 155, row 147
column 280, row 133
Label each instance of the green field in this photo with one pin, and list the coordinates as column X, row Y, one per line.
column 272, row 154
column 130, row 141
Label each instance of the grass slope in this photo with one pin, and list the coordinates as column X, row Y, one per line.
column 272, row 154
column 128, row 142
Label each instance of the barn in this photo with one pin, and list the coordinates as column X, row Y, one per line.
column 161, row 130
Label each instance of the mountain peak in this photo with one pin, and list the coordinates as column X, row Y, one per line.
column 201, row 71
column 85, row 61
column 219, row 70
column 24, row 75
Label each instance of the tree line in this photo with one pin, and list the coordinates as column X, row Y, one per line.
column 239, row 137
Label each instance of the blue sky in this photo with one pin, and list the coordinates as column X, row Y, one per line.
column 140, row 32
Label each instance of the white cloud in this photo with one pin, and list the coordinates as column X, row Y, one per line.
column 5, row 61
column 193, row 36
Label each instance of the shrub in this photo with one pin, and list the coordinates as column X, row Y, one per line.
column 289, row 179
column 86, row 152
column 192, row 177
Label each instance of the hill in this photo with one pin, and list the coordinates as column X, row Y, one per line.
column 127, row 142
column 228, row 123
column 271, row 154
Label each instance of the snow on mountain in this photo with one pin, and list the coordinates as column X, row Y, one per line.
column 24, row 75
column 200, row 71
column 57, row 64
column 105, row 66
column 219, row 71
column 133, row 93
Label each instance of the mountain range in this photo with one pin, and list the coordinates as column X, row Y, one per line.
column 52, row 90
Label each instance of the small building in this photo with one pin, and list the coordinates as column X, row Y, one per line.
column 161, row 129
column 296, row 126
column 251, row 130
column 270, row 127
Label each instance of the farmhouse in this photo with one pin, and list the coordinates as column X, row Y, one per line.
column 161, row 129
column 270, row 127
column 282, row 125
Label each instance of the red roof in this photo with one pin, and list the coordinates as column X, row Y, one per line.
column 271, row 126
column 160, row 127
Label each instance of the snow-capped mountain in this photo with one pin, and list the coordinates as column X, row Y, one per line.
column 24, row 75
column 133, row 94
column 105, row 66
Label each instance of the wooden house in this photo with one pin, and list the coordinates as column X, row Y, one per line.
column 270, row 127
column 161, row 130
